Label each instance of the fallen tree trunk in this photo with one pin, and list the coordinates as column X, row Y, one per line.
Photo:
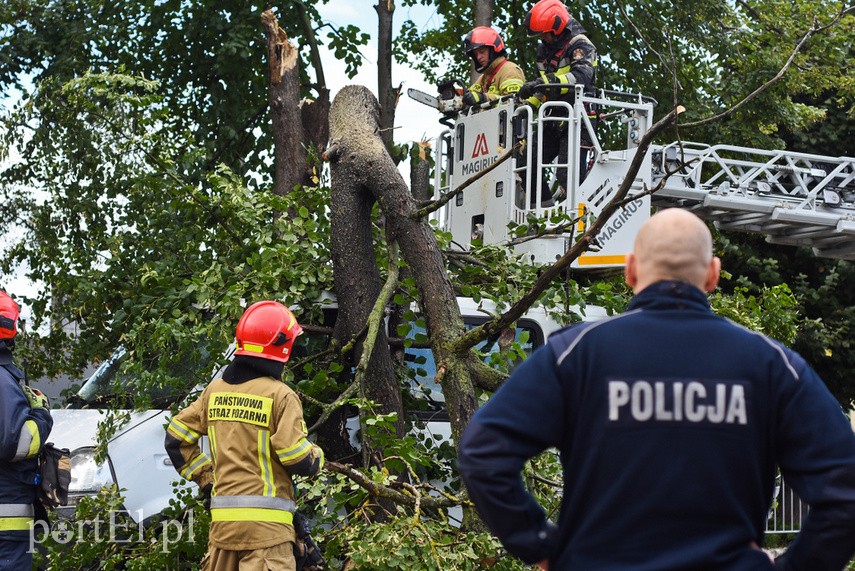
column 359, row 158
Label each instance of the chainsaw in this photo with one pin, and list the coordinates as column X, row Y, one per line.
column 450, row 98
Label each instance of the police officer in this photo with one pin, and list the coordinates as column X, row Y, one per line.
column 565, row 55
column 499, row 76
column 257, row 437
column 25, row 424
column 671, row 422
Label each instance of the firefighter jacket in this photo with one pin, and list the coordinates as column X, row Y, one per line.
column 502, row 77
column 670, row 422
column 571, row 59
column 23, row 431
column 257, row 439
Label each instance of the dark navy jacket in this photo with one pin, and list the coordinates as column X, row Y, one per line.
column 18, row 475
column 670, row 422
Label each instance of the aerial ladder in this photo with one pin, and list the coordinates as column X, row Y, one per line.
column 792, row 198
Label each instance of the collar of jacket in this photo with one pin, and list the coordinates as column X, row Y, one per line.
column 244, row 368
column 5, row 354
column 493, row 64
column 670, row 294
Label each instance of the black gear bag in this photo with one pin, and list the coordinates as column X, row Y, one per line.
column 54, row 476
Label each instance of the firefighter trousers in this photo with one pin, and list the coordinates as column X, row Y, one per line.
column 276, row 558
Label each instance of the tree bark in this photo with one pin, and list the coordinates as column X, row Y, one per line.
column 289, row 160
column 483, row 12
column 420, row 182
column 387, row 95
column 315, row 114
column 361, row 161
column 357, row 280
column 483, row 17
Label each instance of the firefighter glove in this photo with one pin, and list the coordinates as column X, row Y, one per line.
column 473, row 98
column 205, row 496
column 36, row 397
column 530, row 88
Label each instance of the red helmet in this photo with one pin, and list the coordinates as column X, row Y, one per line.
column 547, row 16
column 9, row 313
column 480, row 37
column 267, row 329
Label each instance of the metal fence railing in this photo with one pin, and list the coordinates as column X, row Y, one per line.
column 787, row 511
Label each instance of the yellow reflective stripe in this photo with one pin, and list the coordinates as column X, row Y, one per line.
column 564, row 79
column 212, row 439
column 181, row 430
column 252, row 348
column 264, row 464
column 251, row 514
column 510, row 86
column 288, row 455
column 35, row 438
column 194, row 465
column 15, row 523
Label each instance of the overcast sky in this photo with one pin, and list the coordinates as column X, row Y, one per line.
column 413, row 121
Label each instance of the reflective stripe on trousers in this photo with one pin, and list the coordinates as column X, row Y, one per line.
column 252, row 508
column 16, row 517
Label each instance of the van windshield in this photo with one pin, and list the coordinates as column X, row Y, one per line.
column 420, row 360
column 110, row 385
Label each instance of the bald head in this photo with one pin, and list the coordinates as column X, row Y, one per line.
column 673, row 245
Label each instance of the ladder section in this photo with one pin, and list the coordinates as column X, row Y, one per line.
column 796, row 199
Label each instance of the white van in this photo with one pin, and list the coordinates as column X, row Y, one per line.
column 137, row 463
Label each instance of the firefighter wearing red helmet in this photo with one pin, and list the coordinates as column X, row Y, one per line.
column 258, row 441
column 499, row 76
column 25, row 424
column 565, row 56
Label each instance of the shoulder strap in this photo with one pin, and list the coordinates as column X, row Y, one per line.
column 489, row 81
column 558, row 54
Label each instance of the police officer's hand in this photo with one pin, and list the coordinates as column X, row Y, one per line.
column 36, row 397
column 471, row 98
column 530, row 88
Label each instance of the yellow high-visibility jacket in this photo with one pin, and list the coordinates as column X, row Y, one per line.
column 258, row 440
column 502, row 77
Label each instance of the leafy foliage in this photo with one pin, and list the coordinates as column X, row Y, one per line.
column 197, row 52
column 101, row 535
column 141, row 255
column 824, row 302
column 773, row 313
